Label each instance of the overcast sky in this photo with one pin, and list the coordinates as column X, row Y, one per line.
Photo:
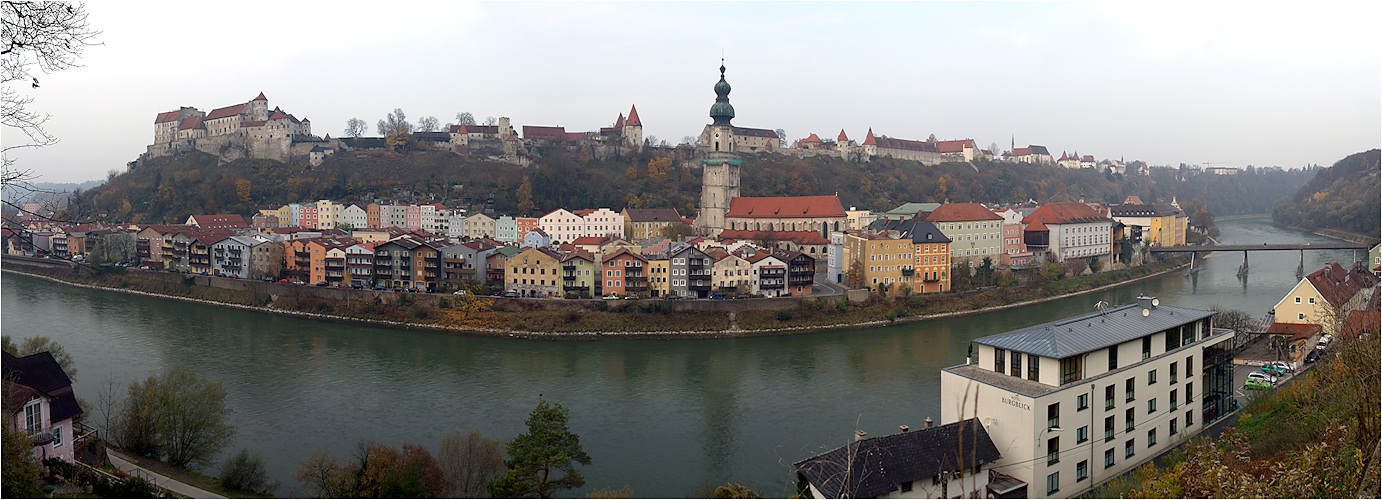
column 1256, row 83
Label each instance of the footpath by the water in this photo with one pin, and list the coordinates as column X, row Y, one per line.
column 128, row 466
column 595, row 335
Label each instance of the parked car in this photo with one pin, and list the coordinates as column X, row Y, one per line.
column 1262, row 376
column 612, row 296
column 718, row 296
column 1274, row 369
column 1258, row 384
column 398, row 289
column 323, row 284
column 511, row 294
column 299, row 282
column 1312, row 357
column 284, row 280
column 1289, row 368
column 146, row 268
column 632, row 296
column 379, row 288
column 460, row 292
column 741, row 296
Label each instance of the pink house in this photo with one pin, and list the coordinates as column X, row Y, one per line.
column 414, row 217
column 624, row 273
column 40, row 403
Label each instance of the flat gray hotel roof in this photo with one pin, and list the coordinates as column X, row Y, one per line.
column 1074, row 336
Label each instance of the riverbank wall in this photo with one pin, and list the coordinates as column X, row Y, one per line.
column 512, row 309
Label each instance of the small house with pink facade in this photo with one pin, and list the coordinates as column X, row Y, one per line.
column 40, row 404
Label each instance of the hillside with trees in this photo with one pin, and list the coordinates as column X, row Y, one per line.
column 1343, row 197
column 168, row 189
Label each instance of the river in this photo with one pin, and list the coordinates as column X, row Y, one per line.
column 660, row 416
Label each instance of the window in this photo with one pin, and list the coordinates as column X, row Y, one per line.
column 1300, row 316
column 1032, row 365
column 1147, row 347
column 1151, row 377
column 1082, row 402
column 1189, row 418
column 1173, row 373
column 57, row 436
column 1053, row 416
column 1108, row 397
column 1082, row 434
column 1070, row 369
column 907, row 486
column 1128, row 389
column 33, row 416
column 1128, row 419
column 998, row 360
column 1082, row 470
column 1172, row 339
column 1312, row 300
column 1129, row 447
column 1297, row 300
column 1053, row 451
column 1173, row 427
column 1053, row 483
column 1151, row 437
column 1108, row 429
column 1108, row 458
column 1151, row 406
column 1189, row 392
column 1189, row 367
column 1017, row 365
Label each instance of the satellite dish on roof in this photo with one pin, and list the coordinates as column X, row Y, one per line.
column 1146, row 312
column 1156, row 301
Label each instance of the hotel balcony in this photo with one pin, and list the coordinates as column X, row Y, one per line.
column 698, row 284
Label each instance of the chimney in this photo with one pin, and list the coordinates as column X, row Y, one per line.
column 902, row 428
column 928, row 423
column 860, row 435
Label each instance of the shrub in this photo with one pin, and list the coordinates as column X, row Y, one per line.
column 784, row 314
column 246, row 472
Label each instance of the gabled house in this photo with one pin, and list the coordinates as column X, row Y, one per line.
column 690, row 273
column 975, row 232
column 768, row 273
column 579, row 275
column 1326, row 296
column 949, row 461
column 534, row 273
column 39, row 403
column 624, row 273
column 1068, row 230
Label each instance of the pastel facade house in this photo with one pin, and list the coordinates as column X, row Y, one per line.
column 231, row 256
column 506, row 229
column 801, row 271
column 354, row 217
column 1326, row 296
column 645, row 224
column 1073, row 403
column 975, row 232
column 1157, row 225
column 579, row 275
column 930, row 255
column 624, row 273
column 1061, row 231
column 536, row 238
column 534, row 272
column 476, row 226
column 601, row 222
column 562, row 226
column 1014, row 247
column 948, row 461
column 882, row 260
column 496, row 262
column 658, row 269
column 732, row 272
column 768, row 273
column 40, row 404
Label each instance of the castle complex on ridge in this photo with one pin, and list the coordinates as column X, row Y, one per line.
column 247, row 130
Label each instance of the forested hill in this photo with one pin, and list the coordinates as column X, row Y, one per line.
column 1346, row 196
column 169, row 189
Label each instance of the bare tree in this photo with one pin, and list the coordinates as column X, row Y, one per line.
column 427, row 124
column 689, row 140
column 993, row 148
column 45, row 35
column 465, row 118
column 395, row 123
column 469, row 462
column 355, row 127
column 782, row 137
column 490, row 120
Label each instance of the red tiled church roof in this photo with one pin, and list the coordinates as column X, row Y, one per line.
column 782, row 207
column 633, row 120
column 798, row 237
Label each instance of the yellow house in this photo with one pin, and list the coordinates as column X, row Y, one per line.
column 658, row 284
column 884, row 259
column 1324, row 297
column 534, row 272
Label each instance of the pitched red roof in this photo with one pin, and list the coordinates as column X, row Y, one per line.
column 957, row 146
column 590, row 240
column 890, row 143
column 812, row 139
column 620, row 122
column 224, row 112
column 798, row 237
column 1297, row 331
column 955, row 212
column 845, row 138
column 191, row 123
column 1022, row 151
column 538, row 132
column 260, row 97
column 1061, row 213
column 169, row 116
column 633, row 120
column 585, row 211
column 782, row 207
column 868, row 139
column 223, row 221
column 1335, row 284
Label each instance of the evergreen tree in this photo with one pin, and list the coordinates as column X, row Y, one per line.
column 542, row 461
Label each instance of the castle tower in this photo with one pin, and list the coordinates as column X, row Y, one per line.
column 259, row 108
column 632, row 130
column 720, row 176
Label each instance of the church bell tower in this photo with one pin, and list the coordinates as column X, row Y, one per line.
column 719, row 162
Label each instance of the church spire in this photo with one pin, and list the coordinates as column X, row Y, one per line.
column 721, row 111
